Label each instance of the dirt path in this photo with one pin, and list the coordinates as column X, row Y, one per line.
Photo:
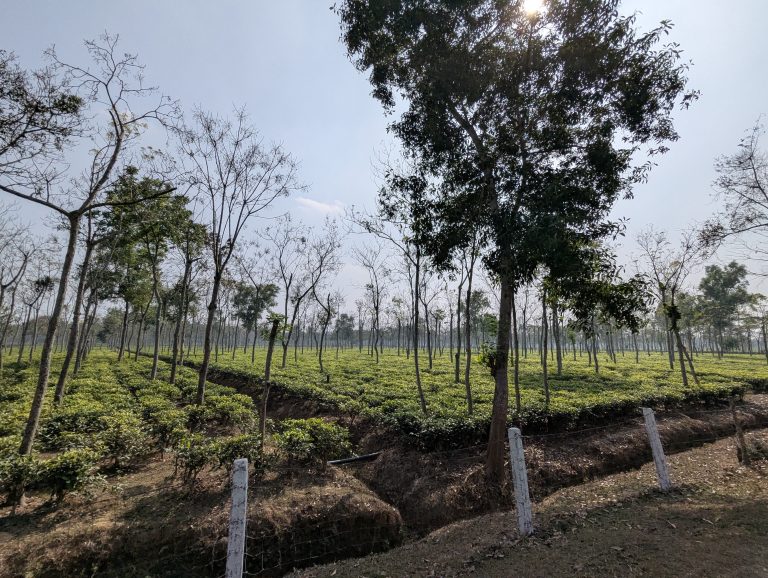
column 715, row 523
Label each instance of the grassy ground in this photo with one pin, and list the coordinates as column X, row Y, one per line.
column 356, row 383
column 714, row 523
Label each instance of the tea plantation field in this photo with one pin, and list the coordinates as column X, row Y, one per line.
column 387, row 392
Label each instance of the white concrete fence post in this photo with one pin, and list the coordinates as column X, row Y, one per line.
column 520, row 482
column 659, row 460
column 237, row 516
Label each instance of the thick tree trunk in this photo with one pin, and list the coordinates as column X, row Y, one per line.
column 495, row 459
column 44, row 372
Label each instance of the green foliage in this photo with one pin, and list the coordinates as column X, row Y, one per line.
column 69, row 471
column 312, row 441
column 193, row 454
column 243, row 446
column 17, row 474
column 124, row 439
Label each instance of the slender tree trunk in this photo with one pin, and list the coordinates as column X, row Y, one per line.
column 83, row 349
column 681, row 357
column 267, row 383
column 557, row 336
column 422, row 399
column 468, row 340
column 158, row 314
column 34, row 334
column 180, row 320
column 762, row 327
column 123, row 333
column 7, row 324
column 44, row 373
column 212, row 305
column 516, row 360
column 24, row 328
column 544, row 336
column 253, row 344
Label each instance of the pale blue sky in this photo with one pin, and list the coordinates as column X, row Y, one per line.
column 283, row 59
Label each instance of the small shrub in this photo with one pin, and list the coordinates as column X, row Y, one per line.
column 69, row 471
column 193, row 454
column 312, row 441
column 123, row 439
column 243, row 446
column 78, row 416
column 168, row 426
column 17, row 474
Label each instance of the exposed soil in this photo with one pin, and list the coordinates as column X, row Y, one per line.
column 145, row 524
column 715, row 523
column 431, row 490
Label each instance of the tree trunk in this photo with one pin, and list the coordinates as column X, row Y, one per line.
column 45, row 356
column 7, row 323
column 158, row 314
column 468, row 343
column 494, row 464
column 212, row 305
column 123, row 333
column 422, row 399
column 544, row 344
column 516, row 360
column 180, row 320
column 24, row 329
column 267, row 383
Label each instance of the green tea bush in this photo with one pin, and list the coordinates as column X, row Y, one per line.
column 246, row 446
column 123, row 439
column 168, row 427
column 312, row 441
column 17, row 474
column 193, row 454
column 69, row 471
column 78, row 416
column 231, row 410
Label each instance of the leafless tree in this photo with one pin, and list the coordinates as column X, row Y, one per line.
column 668, row 268
column 742, row 184
column 303, row 259
column 373, row 259
column 239, row 178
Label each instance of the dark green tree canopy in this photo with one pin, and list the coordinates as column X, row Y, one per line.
column 525, row 125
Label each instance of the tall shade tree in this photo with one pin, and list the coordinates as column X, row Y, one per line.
column 238, row 179
column 724, row 291
column 111, row 88
column 524, row 121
